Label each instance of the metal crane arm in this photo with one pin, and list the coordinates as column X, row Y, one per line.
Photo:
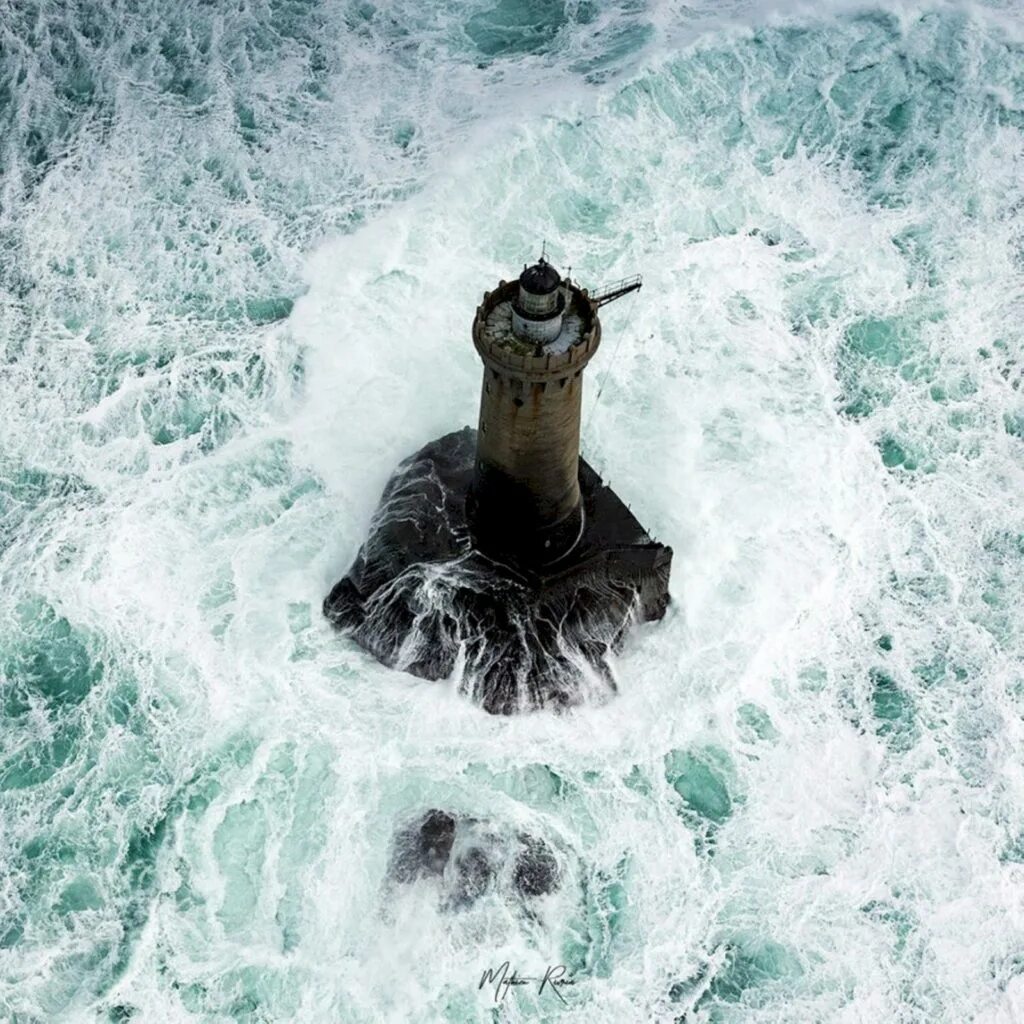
column 616, row 290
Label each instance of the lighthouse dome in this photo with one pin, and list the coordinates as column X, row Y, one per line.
column 540, row 279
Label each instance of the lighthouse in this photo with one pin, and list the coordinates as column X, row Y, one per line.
column 499, row 556
column 535, row 337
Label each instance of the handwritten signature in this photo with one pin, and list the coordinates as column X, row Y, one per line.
column 504, row 977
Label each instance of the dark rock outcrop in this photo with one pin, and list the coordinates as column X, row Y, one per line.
column 421, row 598
column 423, row 848
column 471, row 857
column 536, row 870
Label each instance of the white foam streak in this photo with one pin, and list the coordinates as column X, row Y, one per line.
column 842, row 657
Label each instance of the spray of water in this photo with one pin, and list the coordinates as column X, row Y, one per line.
column 241, row 247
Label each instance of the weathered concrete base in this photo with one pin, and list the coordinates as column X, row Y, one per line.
column 421, row 598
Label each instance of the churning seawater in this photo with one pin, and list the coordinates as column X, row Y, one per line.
column 241, row 243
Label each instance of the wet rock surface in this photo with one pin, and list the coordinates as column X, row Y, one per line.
column 422, row 599
column 423, row 849
column 536, row 870
column 471, row 858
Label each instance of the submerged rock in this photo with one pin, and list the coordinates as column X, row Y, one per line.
column 473, row 876
column 471, row 858
column 421, row 598
column 536, row 870
column 423, row 849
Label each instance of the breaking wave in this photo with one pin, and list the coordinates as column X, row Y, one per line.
column 240, row 249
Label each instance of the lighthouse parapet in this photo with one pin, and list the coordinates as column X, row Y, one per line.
column 503, row 351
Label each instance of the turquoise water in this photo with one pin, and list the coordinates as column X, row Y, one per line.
column 240, row 249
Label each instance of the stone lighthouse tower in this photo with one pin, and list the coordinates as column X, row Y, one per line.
column 535, row 337
column 499, row 555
